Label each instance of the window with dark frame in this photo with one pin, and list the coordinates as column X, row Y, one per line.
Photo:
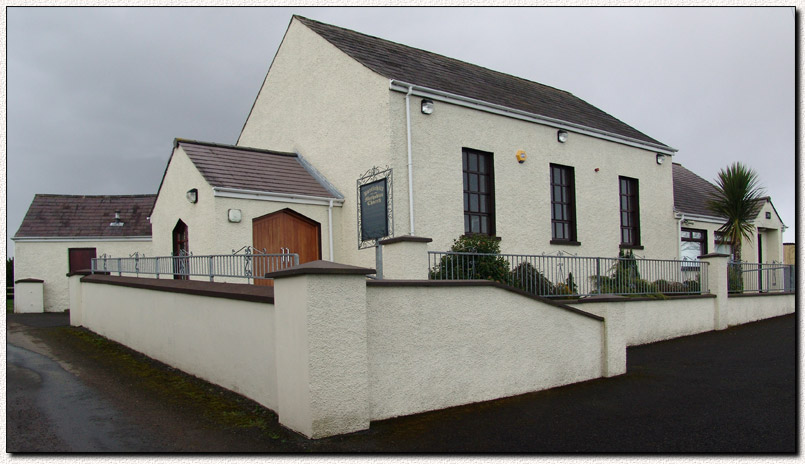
column 723, row 245
column 563, row 204
column 630, row 212
column 694, row 244
column 479, row 203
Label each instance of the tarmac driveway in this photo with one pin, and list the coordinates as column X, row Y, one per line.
column 728, row 391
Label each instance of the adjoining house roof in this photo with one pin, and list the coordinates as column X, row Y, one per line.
column 76, row 216
column 230, row 166
column 423, row 68
column 692, row 193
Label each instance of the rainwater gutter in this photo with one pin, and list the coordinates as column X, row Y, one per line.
column 410, row 158
column 467, row 102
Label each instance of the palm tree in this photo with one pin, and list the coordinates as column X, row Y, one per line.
column 736, row 198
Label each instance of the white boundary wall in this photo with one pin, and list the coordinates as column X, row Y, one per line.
column 647, row 321
column 227, row 342
column 337, row 352
column 743, row 309
column 435, row 347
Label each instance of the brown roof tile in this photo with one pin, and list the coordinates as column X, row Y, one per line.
column 420, row 67
column 87, row 216
column 252, row 169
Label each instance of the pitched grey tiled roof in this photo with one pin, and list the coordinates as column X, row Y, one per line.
column 253, row 169
column 692, row 193
column 74, row 216
column 420, row 67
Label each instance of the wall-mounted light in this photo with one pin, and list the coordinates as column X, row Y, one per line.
column 768, row 215
column 427, row 106
column 561, row 136
column 660, row 158
column 192, row 196
column 234, row 215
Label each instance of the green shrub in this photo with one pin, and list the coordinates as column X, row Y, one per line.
column 527, row 277
column 463, row 267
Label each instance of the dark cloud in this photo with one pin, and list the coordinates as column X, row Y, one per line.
column 95, row 96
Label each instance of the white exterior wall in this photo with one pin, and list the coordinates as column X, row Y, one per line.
column 343, row 118
column 49, row 261
column 171, row 205
column 227, row 342
column 652, row 321
column 432, row 348
column 522, row 191
column 318, row 102
column 228, row 236
column 772, row 238
column 770, row 229
column 209, row 229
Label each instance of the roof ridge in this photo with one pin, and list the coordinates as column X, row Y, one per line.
column 396, row 61
column 78, row 195
column 303, row 19
column 179, row 140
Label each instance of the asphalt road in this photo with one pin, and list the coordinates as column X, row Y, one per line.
column 729, row 391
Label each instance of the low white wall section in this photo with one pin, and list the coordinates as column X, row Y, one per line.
column 28, row 296
column 749, row 308
column 647, row 321
column 435, row 347
column 225, row 341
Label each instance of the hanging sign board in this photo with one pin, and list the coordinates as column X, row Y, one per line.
column 374, row 216
column 374, row 207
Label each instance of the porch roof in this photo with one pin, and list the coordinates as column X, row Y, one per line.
column 234, row 167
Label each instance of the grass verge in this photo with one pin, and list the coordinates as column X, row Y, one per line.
column 219, row 406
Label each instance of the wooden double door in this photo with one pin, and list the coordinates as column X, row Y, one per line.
column 284, row 231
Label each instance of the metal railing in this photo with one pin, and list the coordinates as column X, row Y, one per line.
column 573, row 276
column 760, row 278
column 249, row 265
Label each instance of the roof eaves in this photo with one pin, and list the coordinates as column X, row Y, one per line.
column 319, row 177
column 401, row 86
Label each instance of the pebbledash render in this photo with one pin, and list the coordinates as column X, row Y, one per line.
column 469, row 150
column 339, row 98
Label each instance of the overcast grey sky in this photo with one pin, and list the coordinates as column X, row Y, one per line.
column 95, row 96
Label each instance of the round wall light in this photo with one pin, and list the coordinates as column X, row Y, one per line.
column 427, row 106
column 561, row 136
column 660, row 158
column 234, row 215
column 192, row 196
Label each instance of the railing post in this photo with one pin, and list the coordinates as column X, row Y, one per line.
column 157, row 266
column 598, row 275
column 209, row 268
column 119, row 268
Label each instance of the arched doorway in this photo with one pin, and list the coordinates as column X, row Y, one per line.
column 181, row 247
column 285, row 231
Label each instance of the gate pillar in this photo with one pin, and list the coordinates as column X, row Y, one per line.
column 321, row 348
